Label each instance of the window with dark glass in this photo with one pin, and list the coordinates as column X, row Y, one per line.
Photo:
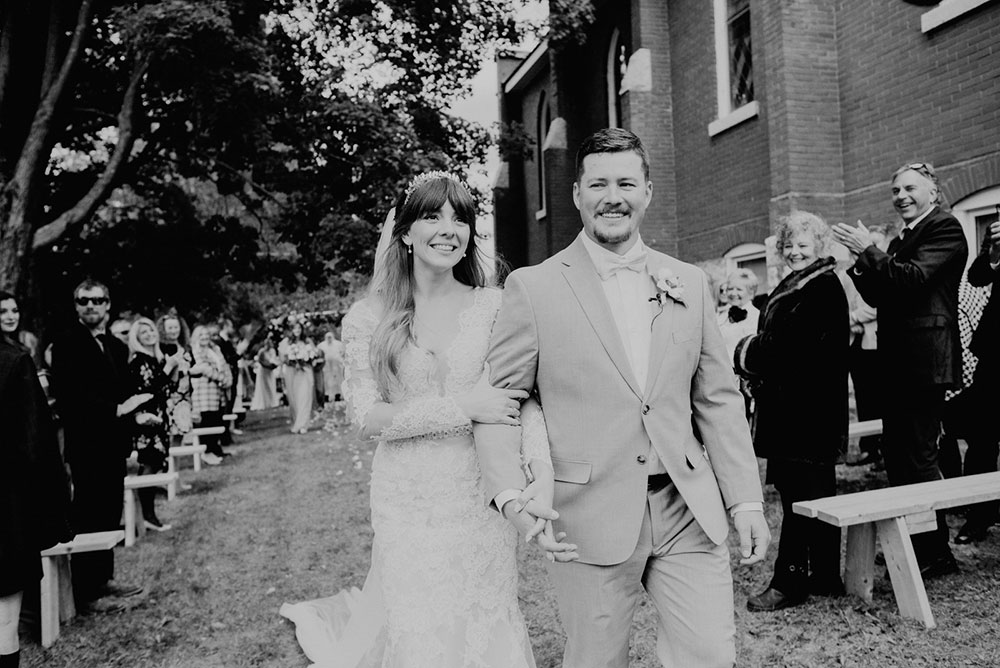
column 740, row 59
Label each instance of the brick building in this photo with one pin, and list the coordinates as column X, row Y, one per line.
column 751, row 109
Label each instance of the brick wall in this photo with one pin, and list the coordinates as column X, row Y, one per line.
column 722, row 182
column 909, row 96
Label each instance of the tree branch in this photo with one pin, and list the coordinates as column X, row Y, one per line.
column 51, row 47
column 253, row 184
column 85, row 208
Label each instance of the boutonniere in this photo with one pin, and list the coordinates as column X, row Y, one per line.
column 667, row 285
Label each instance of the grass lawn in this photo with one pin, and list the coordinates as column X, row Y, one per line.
column 286, row 519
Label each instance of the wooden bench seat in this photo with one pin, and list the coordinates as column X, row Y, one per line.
column 865, row 428
column 891, row 515
column 57, row 586
column 175, row 453
column 196, row 433
column 134, row 526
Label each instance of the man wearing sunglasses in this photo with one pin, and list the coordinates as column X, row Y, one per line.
column 90, row 379
column 914, row 286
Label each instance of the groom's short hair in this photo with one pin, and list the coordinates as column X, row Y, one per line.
column 612, row 140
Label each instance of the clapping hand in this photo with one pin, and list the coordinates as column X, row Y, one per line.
column 133, row 402
column 993, row 234
column 855, row 239
column 491, row 405
column 147, row 418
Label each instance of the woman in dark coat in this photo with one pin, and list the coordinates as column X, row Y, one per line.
column 797, row 368
column 34, row 490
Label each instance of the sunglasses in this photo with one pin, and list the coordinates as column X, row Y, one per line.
column 922, row 168
column 97, row 301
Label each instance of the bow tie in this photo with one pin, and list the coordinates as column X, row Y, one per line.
column 609, row 265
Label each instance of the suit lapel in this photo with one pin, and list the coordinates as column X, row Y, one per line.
column 582, row 277
column 661, row 326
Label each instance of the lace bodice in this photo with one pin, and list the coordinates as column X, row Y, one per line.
column 427, row 407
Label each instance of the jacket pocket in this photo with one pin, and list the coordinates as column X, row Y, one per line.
column 695, row 455
column 570, row 471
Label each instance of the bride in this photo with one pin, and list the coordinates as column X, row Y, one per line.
column 442, row 589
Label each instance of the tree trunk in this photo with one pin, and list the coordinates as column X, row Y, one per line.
column 22, row 189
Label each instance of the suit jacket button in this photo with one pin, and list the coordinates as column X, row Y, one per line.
column 645, row 409
column 641, row 459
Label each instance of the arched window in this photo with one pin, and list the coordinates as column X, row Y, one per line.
column 617, row 62
column 544, row 121
column 976, row 212
column 749, row 256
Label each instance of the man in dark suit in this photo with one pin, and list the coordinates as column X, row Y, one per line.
column 914, row 286
column 983, row 430
column 90, row 379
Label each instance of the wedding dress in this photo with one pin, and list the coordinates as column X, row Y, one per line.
column 442, row 589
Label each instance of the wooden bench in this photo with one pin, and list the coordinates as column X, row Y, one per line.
column 134, row 526
column 198, row 432
column 57, row 586
column 891, row 515
column 175, row 453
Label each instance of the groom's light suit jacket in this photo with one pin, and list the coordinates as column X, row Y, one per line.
column 555, row 332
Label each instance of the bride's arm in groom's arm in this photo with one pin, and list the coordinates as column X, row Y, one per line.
column 378, row 419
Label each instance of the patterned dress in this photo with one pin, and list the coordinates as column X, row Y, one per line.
column 443, row 575
column 151, row 440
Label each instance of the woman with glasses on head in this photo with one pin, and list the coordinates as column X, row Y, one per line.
column 174, row 336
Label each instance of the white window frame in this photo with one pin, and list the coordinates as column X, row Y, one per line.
column 947, row 11
column 542, row 130
column 727, row 116
column 610, row 70
column 966, row 210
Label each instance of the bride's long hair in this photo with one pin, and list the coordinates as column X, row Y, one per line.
column 392, row 281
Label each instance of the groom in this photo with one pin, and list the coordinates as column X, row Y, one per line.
column 646, row 425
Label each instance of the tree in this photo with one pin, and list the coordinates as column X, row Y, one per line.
column 273, row 101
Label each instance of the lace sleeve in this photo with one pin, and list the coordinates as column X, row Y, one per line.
column 374, row 417
column 534, row 436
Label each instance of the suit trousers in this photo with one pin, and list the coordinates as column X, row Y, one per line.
column 867, row 379
column 982, row 432
column 686, row 575
column 98, row 497
column 911, row 427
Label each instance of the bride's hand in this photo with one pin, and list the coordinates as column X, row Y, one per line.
column 487, row 404
column 537, row 497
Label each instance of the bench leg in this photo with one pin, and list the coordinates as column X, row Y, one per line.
column 859, row 566
column 49, row 595
column 197, row 461
column 907, row 584
column 172, row 485
column 67, row 604
column 130, row 524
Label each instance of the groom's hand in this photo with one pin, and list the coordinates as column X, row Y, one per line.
column 528, row 526
column 754, row 535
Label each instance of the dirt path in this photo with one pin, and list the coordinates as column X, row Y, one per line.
column 286, row 519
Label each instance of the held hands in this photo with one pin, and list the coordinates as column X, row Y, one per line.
column 754, row 535
column 490, row 405
column 547, row 539
column 855, row 239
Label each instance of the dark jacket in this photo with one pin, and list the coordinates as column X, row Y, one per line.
column 34, row 490
column 986, row 340
column 797, row 367
column 89, row 383
column 914, row 286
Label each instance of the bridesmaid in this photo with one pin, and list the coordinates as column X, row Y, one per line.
column 298, row 356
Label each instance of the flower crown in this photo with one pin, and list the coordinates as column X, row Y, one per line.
column 426, row 177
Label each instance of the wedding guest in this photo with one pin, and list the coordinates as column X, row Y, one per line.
column 738, row 316
column 265, row 390
column 95, row 401
column 958, row 416
column 34, row 490
column 210, row 383
column 174, row 338
column 224, row 335
column 983, row 434
column 797, row 368
column 120, row 329
column 914, row 286
column 866, row 376
column 298, row 356
column 333, row 365
column 150, row 371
